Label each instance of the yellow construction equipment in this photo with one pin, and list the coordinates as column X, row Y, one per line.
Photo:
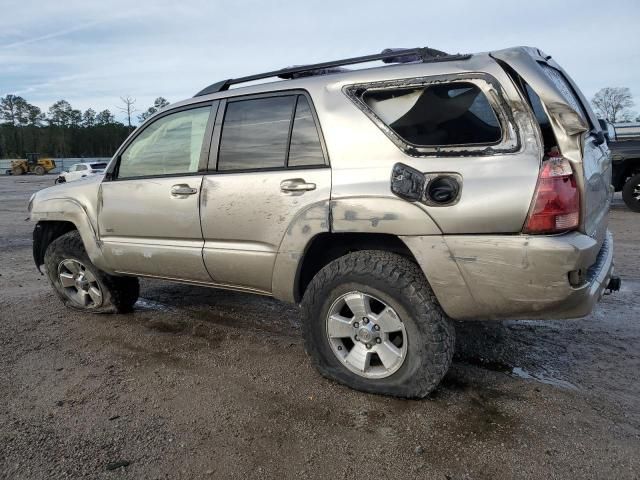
column 34, row 164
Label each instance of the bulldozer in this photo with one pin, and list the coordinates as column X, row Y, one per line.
column 33, row 163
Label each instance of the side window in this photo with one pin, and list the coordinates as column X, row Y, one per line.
column 170, row 145
column 305, row 149
column 445, row 114
column 255, row 133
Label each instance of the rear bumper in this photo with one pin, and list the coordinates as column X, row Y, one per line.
column 477, row 277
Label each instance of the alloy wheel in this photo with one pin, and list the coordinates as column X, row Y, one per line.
column 79, row 284
column 366, row 335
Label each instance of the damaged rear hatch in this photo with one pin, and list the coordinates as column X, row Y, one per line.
column 573, row 127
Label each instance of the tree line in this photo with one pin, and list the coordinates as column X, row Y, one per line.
column 64, row 131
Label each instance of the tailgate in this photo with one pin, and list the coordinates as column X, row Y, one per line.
column 576, row 131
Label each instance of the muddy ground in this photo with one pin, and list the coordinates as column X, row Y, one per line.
column 200, row 383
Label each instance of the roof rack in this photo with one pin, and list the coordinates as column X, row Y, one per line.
column 389, row 55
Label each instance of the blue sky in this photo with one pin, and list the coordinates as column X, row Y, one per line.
column 91, row 53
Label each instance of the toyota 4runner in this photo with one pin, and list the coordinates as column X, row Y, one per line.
column 386, row 201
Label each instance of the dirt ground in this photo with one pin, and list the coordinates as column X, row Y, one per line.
column 200, row 383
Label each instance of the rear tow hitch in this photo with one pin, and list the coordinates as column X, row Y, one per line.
column 614, row 285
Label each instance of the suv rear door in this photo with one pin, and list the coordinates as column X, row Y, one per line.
column 576, row 130
column 268, row 167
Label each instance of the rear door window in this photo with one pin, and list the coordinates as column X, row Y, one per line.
column 255, row 133
column 305, row 148
column 269, row 133
column 447, row 114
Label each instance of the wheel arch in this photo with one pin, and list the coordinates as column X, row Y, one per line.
column 56, row 217
column 326, row 247
column 46, row 232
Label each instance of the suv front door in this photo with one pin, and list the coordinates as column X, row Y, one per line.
column 271, row 170
column 149, row 219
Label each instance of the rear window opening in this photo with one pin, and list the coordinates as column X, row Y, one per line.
column 447, row 114
column 548, row 137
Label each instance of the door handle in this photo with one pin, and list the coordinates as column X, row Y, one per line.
column 183, row 189
column 296, row 185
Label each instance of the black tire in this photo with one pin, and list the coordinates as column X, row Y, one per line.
column 60, row 179
column 401, row 284
column 39, row 170
column 118, row 293
column 630, row 191
column 17, row 171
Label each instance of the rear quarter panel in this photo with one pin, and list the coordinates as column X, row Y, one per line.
column 497, row 188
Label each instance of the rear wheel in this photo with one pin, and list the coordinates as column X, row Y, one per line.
column 39, row 170
column 17, row 171
column 631, row 193
column 372, row 322
column 81, row 285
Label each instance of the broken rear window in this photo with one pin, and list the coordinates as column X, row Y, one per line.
column 444, row 114
column 565, row 88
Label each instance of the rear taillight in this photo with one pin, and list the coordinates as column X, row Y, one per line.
column 556, row 201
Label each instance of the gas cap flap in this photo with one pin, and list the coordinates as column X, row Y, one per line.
column 407, row 182
column 433, row 189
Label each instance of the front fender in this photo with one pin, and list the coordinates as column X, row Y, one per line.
column 69, row 210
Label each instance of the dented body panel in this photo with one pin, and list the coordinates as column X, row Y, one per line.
column 244, row 231
column 523, row 276
column 574, row 131
column 76, row 203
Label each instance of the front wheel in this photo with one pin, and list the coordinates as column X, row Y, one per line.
column 631, row 193
column 39, row 170
column 81, row 285
column 372, row 322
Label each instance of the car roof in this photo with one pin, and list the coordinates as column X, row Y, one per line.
column 458, row 63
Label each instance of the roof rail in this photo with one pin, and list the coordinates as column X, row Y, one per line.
column 389, row 55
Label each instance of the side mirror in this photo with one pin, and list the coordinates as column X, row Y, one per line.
column 599, row 137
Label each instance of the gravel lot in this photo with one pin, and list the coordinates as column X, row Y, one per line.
column 200, row 383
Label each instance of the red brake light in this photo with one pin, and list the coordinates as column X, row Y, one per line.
column 556, row 201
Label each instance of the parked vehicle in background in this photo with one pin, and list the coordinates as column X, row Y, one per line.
column 624, row 143
column 32, row 164
column 81, row 170
column 386, row 201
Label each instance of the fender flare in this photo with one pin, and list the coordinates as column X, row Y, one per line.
column 70, row 210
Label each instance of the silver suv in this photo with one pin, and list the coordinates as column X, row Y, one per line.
column 385, row 201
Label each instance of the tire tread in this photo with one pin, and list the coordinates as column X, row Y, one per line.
column 407, row 281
